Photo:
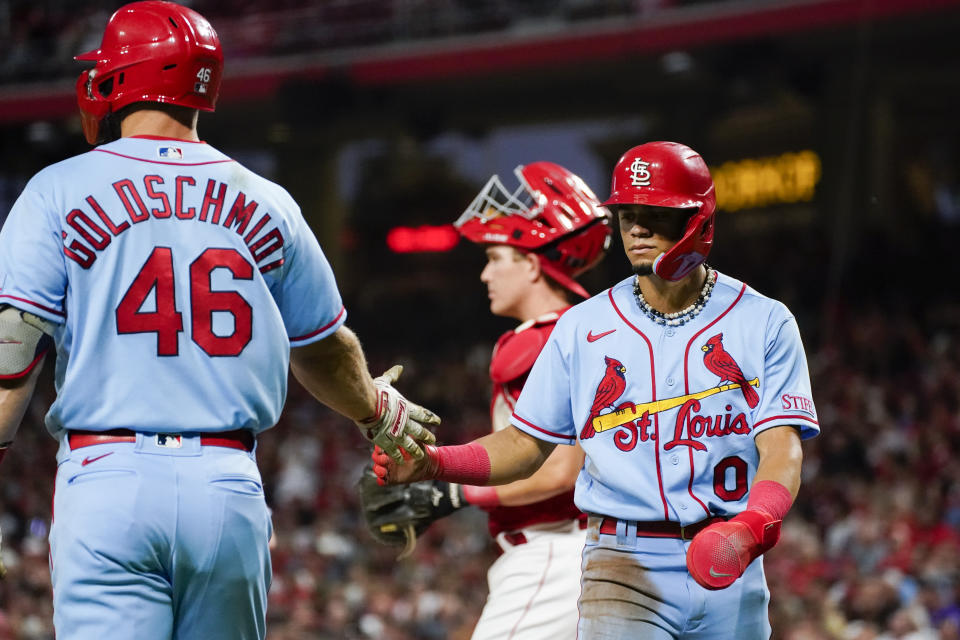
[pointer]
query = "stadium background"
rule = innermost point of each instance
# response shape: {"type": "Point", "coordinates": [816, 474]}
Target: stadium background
{"type": "Point", "coordinates": [831, 128]}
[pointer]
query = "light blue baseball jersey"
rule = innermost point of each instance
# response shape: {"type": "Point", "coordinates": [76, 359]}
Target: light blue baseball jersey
{"type": "Point", "coordinates": [178, 278]}
{"type": "Point", "coordinates": [667, 416]}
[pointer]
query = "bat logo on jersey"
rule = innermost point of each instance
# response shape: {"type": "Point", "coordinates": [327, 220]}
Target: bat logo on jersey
{"type": "Point", "coordinates": [721, 363]}
{"type": "Point", "coordinates": [633, 419]}
{"type": "Point", "coordinates": [608, 391]}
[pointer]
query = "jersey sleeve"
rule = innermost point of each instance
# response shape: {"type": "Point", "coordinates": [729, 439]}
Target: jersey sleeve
{"type": "Point", "coordinates": [544, 409]}
{"type": "Point", "coordinates": [33, 275]}
{"type": "Point", "coordinates": [309, 300]}
{"type": "Point", "coordinates": [786, 398]}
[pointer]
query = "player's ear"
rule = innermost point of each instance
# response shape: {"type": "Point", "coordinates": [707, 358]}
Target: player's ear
{"type": "Point", "coordinates": [534, 270]}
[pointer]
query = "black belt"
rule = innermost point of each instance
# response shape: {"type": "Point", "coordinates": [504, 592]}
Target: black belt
{"type": "Point", "coordinates": [661, 528]}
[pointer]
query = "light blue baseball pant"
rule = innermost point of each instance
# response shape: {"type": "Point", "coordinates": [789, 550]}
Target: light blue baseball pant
{"type": "Point", "coordinates": [636, 588]}
{"type": "Point", "coordinates": [156, 543]}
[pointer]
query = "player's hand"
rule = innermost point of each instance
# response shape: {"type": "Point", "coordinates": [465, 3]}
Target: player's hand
{"type": "Point", "coordinates": [396, 425]}
{"type": "Point", "coordinates": [389, 471]}
{"type": "Point", "coordinates": [721, 553]}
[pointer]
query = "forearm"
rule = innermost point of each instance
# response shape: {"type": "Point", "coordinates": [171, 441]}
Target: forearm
{"type": "Point", "coordinates": [781, 458]}
{"type": "Point", "coordinates": [495, 459]}
{"type": "Point", "coordinates": [557, 475]}
{"type": "Point", "coordinates": [14, 399]}
{"type": "Point", "coordinates": [334, 371]}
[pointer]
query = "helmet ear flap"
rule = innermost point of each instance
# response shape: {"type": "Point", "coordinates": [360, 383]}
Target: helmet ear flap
{"type": "Point", "coordinates": [93, 108]}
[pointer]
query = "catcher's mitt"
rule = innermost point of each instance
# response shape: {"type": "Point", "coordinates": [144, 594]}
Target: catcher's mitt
{"type": "Point", "coordinates": [397, 514]}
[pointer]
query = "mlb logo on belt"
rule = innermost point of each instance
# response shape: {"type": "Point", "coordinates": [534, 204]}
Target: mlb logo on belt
{"type": "Point", "coordinates": [170, 153]}
{"type": "Point", "coordinates": [167, 441]}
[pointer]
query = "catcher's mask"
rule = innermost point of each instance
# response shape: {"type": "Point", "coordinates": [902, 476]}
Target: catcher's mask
{"type": "Point", "coordinates": [553, 213]}
{"type": "Point", "coordinates": [669, 174]}
{"type": "Point", "coordinates": [152, 51]}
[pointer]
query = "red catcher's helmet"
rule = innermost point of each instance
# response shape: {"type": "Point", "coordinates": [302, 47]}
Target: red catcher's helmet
{"type": "Point", "coordinates": [669, 174]}
{"type": "Point", "coordinates": [553, 213]}
{"type": "Point", "coordinates": [151, 51]}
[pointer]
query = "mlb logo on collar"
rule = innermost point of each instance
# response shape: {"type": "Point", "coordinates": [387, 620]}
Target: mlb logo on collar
{"type": "Point", "coordinates": [170, 153]}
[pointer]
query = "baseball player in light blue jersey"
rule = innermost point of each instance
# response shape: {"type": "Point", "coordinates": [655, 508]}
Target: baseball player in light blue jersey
{"type": "Point", "coordinates": [689, 394]}
{"type": "Point", "coordinates": [173, 283]}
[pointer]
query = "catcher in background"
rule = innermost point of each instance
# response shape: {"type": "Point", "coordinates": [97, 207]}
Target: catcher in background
{"type": "Point", "coordinates": [538, 238]}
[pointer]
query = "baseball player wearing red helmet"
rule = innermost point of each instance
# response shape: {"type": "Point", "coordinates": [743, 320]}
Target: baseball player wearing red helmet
{"type": "Point", "coordinates": [689, 394]}
{"type": "Point", "coordinates": [172, 282]}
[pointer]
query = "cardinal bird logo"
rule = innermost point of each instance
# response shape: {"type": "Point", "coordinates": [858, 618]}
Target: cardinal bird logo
{"type": "Point", "coordinates": [721, 363]}
{"type": "Point", "coordinates": [608, 391]}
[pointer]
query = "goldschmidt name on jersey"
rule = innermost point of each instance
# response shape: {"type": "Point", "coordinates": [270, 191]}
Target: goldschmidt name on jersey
{"type": "Point", "coordinates": [153, 197]}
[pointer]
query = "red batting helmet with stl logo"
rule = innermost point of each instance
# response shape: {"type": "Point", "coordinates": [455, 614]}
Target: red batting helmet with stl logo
{"type": "Point", "coordinates": [151, 51]}
{"type": "Point", "coordinates": [553, 213]}
{"type": "Point", "coordinates": [669, 174]}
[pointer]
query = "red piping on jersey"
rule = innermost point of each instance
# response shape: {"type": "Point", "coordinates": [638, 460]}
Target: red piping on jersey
{"type": "Point", "coordinates": [686, 385]}
{"type": "Point", "coordinates": [164, 138]}
{"type": "Point", "coordinates": [526, 609]}
{"type": "Point", "coordinates": [541, 430]}
{"type": "Point", "coordinates": [656, 416]}
{"type": "Point", "coordinates": [323, 328]}
{"type": "Point", "coordinates": [176, 164]}
{"type": "Point", "coordinates": [38, 306]}
{"type": "Point", "coordinates": [790, 417]}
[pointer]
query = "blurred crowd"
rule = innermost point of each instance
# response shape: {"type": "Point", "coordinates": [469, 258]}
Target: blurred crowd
{"type": "Point", "coordinates": [870, 551]}
{"type": "Point", "coordinates": [38, 38]}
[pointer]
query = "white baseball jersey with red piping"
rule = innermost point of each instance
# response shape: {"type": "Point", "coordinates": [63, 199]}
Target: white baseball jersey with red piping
{"type": "Point", "coordinates": [667, 415]}
{"type": "Point", "coordinates": [178, 279]}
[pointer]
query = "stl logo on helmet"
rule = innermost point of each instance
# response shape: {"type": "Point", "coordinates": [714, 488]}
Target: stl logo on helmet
{"type": "Point", "coordinates": [639, 174]}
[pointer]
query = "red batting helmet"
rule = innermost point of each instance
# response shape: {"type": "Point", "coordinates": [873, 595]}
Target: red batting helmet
{"type": "Point", "coordinates": [669, 174]}
{"type": "Point", "coordinates": [553, 213]}
{"type": "Point", "coordinates": [151, 51]}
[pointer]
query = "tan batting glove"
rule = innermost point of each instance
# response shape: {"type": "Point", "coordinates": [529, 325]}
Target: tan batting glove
{"type": "Point", "coordinates": [395, 424]}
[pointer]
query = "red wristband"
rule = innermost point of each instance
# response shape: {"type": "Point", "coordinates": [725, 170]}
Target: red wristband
{"type": "Point", "coordinates": [465, 463]}
{"type": "Point", "coordinates": [771, 497]}
{"type": "Point", "coordinates": [481, 496]}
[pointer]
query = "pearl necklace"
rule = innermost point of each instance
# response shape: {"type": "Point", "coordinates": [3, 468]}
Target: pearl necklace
{"type": "Point", "coordinates": [683, 316]}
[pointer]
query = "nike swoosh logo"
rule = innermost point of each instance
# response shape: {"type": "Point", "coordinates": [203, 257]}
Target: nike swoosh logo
{"type": "Point", "coordinates": [715, 574]}
{"type": "Point", "coordinates": [594, 338]}
{"type": "Point", "coordinates": [88, 460]}
{"type": "Point", "coordinates": [10, 342]}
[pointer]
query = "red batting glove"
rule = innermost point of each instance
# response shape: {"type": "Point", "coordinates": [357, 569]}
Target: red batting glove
{"type": "Point", "coordinates": [389, 471]}
{"type": "Point", "coordinates": [721, 553]}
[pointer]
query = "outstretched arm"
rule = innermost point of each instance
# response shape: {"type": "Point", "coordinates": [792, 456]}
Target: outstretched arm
{"type": "Point", "coordinates": [557, 475]}
{"type": "Point", "coordinates": [334, 371]}
{"type": "Point", "coordinates": [497, 458]}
